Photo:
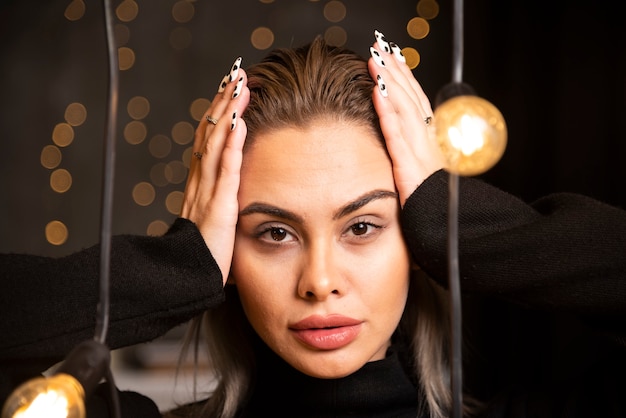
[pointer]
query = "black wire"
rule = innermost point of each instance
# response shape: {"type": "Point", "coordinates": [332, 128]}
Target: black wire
{"type": "Point", "coordinates": [456, 355]}
{"type": "Point", "coordinates": [457, 42]}
{"type": "Point", "coordinates": [456, 366]}
{"type": "Point", "coordinates": [102, 319]}
{"type": "Point", "coordinates": [115, 399]}
{"type": "Point", "coordinates": [108, 176]}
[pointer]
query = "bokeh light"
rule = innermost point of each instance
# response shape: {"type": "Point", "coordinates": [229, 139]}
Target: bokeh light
{"type": "Point", "coordinates": [126, 57]}
{"type": "Point", "coordinates": [63, 134]}
{"type": "Point", "coordinates": [183, 132]}
{"type": "Point", "coordinates": [50, 156]}
{"type": "Point", "coordinates": [144, 193]}
{"type": "Point", "coordinates": [75, 114]}
{"type": "Point", "coordinates": [157, 174]}
{"type": "Point", "coordinates": [335, 11]}
{"type": "Point", "coordinates": [198, 107]}
{"type": "Point", "coordinates": [262, 38]}
{"type": "Point", "coordinates": [138, 107]}
{"type": "Point", "coordinates": [428, 9]}
{"type": "Point", "coordinates": [135, 132]}
{"type": "Point", "coordinates": [336, 35]}
{"type": "Point", "coordinates": [122, 34]}
{"type": "Point", "coordinates": [412, 57]}
{"type": "Point", "coordinates": [157, 228]}
{"type": "Point", "coordinates": [127, 10]}
{"type": "Point", "coordinates": [174, 202]}
{"type": "Point", "coordinates": [176, 172]}
{"type": "Point", "coordinates": [60, 180]}
{"type": "Point", "coordinates": [75, 10]}
{"type": "Point", "coordinates": [418, 28]}
{"type": "Point", "coordinates": [56, 233]}
{"type": "Point", "coordinates": [183, 11]}
{"type": "Point", "coordinates": [160, 146]}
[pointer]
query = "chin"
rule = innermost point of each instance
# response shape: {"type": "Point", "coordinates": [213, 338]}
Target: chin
{"type": "Point", "coordinates": [327, 365]}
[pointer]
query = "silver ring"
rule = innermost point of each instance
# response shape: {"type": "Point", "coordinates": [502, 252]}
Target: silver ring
{"type": "Point", "coordinates": [427, 120]}
{"type": "Point", "coordinates": [210, 119]}
{"type": "Point", "coordinates": [198, 155]}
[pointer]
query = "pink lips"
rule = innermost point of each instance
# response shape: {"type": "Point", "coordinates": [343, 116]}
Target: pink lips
{"type": "Point", "coordinates": [327, 333]}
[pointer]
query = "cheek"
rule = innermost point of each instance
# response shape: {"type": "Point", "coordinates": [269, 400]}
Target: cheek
{"type": "Point", "coordinates": [263, 286]}
{"type": "Point", "coordinates": [387, 273]}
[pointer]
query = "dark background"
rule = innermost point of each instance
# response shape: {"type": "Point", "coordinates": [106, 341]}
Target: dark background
{"type": "Point", "coordinates": [556, 70]}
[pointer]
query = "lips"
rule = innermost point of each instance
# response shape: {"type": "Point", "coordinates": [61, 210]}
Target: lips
{"type": "Point", "coordinates": [326, 333]}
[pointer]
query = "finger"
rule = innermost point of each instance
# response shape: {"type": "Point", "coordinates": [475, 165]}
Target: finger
{"type": "Point", "coordinates": [396, 64]}
{"type": "Point", "coordinates": [218, 105]}
{"type": "Point", "coordinates": [203, 131]}
{"type": "Point", "coordinates": [401, 108]}
{"type": "Point", "coordinates": [400, 72]}
{"type": "Point", "coordinates": [237, 94]}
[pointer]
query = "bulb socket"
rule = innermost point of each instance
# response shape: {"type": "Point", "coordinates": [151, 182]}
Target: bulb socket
{"type": "Point", "coordinates": [453, 89]}
{"type": "Point", "coordinates": [88, 363]}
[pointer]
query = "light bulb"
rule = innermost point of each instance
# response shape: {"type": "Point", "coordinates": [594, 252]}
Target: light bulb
{"type": "Point", "coordinates": [58, 396]}
{"type": "Point", "coordinates": [471, 133]}
{"type": "Point", "coordinates": [63, 394]}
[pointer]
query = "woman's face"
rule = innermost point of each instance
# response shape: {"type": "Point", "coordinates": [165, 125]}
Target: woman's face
{"type": "Point", "coordinates": [320, 263]}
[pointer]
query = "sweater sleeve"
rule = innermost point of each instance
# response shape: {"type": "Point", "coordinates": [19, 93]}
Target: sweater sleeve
{"type": "Point", "coordinates": [564, 252]}
{"type": "Point", "coordinates": [48, 305]}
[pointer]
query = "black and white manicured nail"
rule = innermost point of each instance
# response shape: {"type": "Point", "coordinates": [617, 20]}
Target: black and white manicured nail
{"type": "Point", "coordinates": [381, 85]}
{"type": "Point", "coordinates": [233, 122]}
{"type": "Point", "coordinates": [223, 83]}
{"type": "Point", "coordinates": [397, 52]}
{"type": "Point", "coordinates": [238, 87]}
{"type": "Point", "coordinates": [377, 58]}
{"type": "Point", "coordinates": [234, 70]}
{"type": "Point", "coordinates": [382, 42]}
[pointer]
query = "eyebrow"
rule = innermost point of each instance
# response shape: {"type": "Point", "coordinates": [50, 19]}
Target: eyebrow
{"type": "Point", "coordinates": [356, 204]}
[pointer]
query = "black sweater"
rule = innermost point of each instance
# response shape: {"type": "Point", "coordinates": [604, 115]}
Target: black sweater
{"type": "Point", "coordinates": [526, 270]}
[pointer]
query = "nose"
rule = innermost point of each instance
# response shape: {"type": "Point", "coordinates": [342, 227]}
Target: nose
{"type": "Point", "coordinates": [321, 275]}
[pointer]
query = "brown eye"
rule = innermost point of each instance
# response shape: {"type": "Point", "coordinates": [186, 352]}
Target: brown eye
{"type": "Point", "coordinates": [278, 234]}
{"type": "Point", "coordinates": [359, 228]}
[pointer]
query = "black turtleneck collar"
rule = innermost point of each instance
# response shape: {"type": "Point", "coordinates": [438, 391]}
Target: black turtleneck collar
{"type": "Point", "coordinates": [379, 389]}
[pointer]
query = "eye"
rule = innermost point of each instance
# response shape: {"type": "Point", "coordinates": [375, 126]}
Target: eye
{"type": "Point", "coordinates": [360, 228]}
{"type": "Point", "coordinates": [363, 230]}
{"type": "Point", "coordinates": [275, 234]}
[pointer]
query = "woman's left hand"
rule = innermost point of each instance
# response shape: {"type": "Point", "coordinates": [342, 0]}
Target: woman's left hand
{"type": "Point", "coordinates": [405, 117]}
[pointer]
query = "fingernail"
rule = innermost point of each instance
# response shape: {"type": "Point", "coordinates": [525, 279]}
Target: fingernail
{"type": "Point", "coordinates": [238, 87]}
{"type": "Point", "coordinates": [234, 71]}
{"type": "Point", "coordinates": [381, 85]}
{"type": "Point", "coordinates": [223, 83]}
{"type": "Point", "coordinates": [377, 58]}
{"type": "Point", "coordinates": [233, 123]}
{"type": "Point", "coordinates": [382, 42]}
{"type": "Point", "coordinates": [397, 52]}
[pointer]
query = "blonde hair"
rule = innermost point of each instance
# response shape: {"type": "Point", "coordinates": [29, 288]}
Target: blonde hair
{"type": "Point", "coordinates": [293, 88]}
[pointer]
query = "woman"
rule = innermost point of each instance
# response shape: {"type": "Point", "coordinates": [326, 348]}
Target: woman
{"type": "Point", "coordinates": [325, 312]}
{"type": "Point", "coordinates": [322, 282]}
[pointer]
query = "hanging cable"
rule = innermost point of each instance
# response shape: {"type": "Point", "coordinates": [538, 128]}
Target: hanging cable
{"type": "Point", "coordinates": [471, 133]}
{"type": "Point", "coordinates": [102, 319]}
{"type": "Point", "coordinates": [456, 356]}
{"type": "Point", "coordinates": [108, 180]}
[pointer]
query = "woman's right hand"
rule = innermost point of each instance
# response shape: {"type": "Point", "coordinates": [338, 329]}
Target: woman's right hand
{"type": "Point", "coordinates": [210, 199]}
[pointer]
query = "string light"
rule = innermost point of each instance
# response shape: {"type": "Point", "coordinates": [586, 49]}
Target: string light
{"type": "Point", "coordinates": [63, 394]}
{"type": "Point", "coordinates": [471, 134]}
{"type": "Point", "coordinates": [471, 131]}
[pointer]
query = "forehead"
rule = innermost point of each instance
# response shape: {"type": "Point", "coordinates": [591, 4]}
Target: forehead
{"type": "Point", "coordinates": [328, 159]}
